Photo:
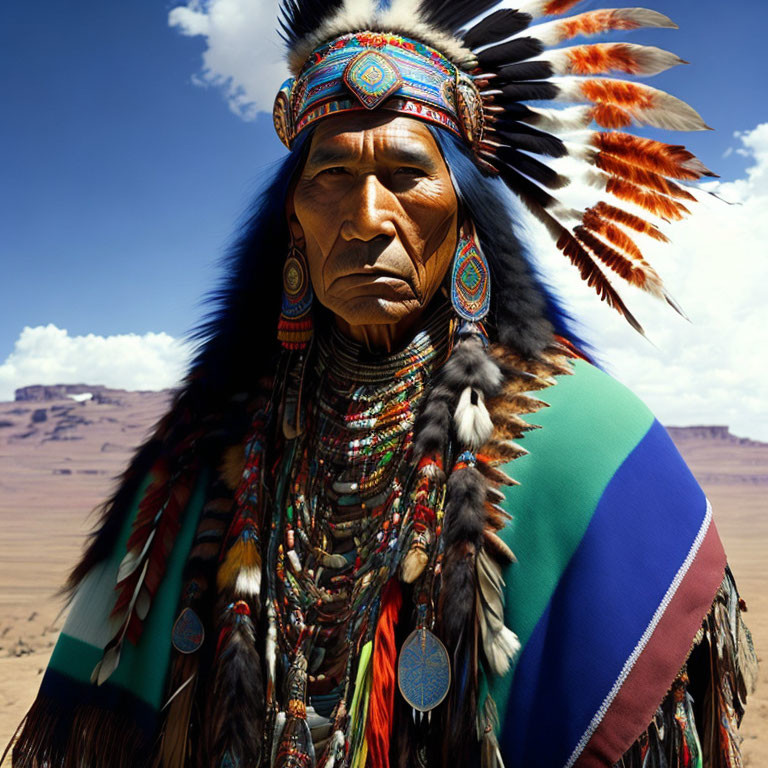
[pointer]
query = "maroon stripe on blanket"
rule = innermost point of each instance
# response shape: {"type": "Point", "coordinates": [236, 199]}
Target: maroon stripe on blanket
{"type": "Point", "coordinates": [664, 655]}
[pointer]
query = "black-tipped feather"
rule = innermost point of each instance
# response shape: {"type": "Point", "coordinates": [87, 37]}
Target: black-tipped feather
{"type": "Point", "coordinates": [527, 70]}
{"type": "Point", "coordinates": [451, 15]}
{"type": "Point", "coordinates": [497, 26]}
{"type": "Point", "coordinates": [529, 91]}
{"type": "Point", "coordinates": [524, 137]}
{"type": "Point", "coordinates": [514, 50]}
{"type": "Point", "coordinates": [532, 168]}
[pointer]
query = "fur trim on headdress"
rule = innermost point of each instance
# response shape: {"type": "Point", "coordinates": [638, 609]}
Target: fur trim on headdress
{"type": "Point", "coordinates": [406, 17]}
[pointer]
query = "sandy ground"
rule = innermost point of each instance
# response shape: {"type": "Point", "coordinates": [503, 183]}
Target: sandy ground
{"type": "Point", "coordinates": [52, 472]}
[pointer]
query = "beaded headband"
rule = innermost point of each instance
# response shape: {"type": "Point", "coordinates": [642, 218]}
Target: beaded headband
{"type": "Point", "coordinates": [435, 61]}
{"type": "Point", "coordinates": [364, 71]}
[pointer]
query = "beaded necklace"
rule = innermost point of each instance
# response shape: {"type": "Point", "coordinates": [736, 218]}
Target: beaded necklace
{"type": "Point", "coordinates": [343, 493]}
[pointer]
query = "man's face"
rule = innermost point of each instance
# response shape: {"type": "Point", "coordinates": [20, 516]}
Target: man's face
{"type": "Point", "coordinates": [377, 211]}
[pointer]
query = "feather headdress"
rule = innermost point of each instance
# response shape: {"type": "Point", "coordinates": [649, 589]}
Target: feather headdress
{"type": "Point", "coordinates": [434, 61]}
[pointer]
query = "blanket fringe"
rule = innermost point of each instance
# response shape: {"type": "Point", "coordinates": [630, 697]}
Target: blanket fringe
{"type": "Point", "coordinates": [50, 737]}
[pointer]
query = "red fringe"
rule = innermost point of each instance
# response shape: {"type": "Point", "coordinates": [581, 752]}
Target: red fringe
{"type": "Point", "coordinates": [381, 705]}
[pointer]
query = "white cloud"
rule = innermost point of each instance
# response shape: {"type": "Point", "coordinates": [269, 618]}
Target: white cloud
{"type": "Point", "coordinates": [712, 370]}
{"type": "Point", "coordinates": [49, 355]}
{"type": "Point", "coordinates": [243, 55]}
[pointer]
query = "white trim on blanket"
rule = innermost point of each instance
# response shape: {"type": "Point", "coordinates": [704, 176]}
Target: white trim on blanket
{"type": "Point", "coordinates": [646, 636]}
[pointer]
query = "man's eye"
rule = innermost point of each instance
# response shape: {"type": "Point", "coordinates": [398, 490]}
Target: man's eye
{"type": "Point", "coordinates": [334, 171]}
{"type": "Point", "coordinates": [410, 171]}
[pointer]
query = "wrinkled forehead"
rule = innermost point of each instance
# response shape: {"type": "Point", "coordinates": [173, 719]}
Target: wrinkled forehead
{"type": "Point", "coordinates": [375, 136]}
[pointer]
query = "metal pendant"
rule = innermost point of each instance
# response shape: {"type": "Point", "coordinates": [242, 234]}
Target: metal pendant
{"type": "Point", "coordinates": [188, 632]}
{"type": "Point", "coordinates": [423, 670]}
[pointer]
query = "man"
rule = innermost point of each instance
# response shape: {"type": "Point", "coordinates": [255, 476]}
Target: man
{"type": "Point", "coordinates": [311, 562]}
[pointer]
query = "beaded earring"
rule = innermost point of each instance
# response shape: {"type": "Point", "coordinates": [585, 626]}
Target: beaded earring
{"type": "Point", "coordinates": [470, 278]}
{"type": "Point", "coordinates": [295, 328]}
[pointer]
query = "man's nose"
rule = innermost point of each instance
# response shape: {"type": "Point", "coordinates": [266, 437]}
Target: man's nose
{"type": "Point", "coordinates": [368, 211]}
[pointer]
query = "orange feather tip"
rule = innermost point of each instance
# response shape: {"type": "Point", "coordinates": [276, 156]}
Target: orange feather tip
{"type": "Point", "coordinates": [556, 7]}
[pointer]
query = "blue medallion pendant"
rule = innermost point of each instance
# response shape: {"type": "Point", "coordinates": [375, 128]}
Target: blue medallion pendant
{"type": "Point", "coordinates": [423, 670]}
{"type": "Point", "coordinates": [188, 632]}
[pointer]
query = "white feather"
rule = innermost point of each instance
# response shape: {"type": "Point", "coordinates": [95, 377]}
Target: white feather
{"type": "Point", "coordinates": [554, 32]}
{"type": "Point", "coordinates": [248, 582]}
{"type": "Point", "coordinates": [503, 647]}
{"type": "Point", "coordinates": [649, 59]}
{"type": "Point", "coordinates": [133, 559]}
{"type": "Point", "coordinates": [560, 120]}
{"type": "Point", "coordinates": [111, 658]}
{"type": "Point", "coordinates": [534, 8]}
{"type": "Point", "coordinates": [270, 647]}
{"type": "Point", "coordinates": [143, 604]}
{"type": "Point", "coordinates": [337, 745]}
{"type": "Point", "coordinates": [473, 422]}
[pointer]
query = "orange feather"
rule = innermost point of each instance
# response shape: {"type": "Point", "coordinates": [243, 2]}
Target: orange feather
{"type": "Point", "coordinates": [593, 276]}
{"type": "Point", "coordinates": [638, 273]}
{"type": "Point", "coordinates": [618, 92]}
{"type": "Point", "coordinates": [630, 220]}
{"type": "Point", "coordinates": [556, 7]}
{"type": "Point", "coordinates": [594, 23]}
{"type": "Point", "coordinates": [658, 204]}
{"type": "Point", "coordinates": [612, 233]}
{"type": "Point", "coordinates": [603, 58]}
{"type": "Point", "coordinates": [671, 160]}
{"type": "Point", "coordinates": [641, 176]}
{"type": "Point", "coordinates": [611, 116]}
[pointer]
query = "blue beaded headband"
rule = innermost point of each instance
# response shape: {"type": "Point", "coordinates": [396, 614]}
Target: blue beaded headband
{"type": "Point", "coordinates": [370, 70]}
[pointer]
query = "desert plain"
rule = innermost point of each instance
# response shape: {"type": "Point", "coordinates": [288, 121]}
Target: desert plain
{"type": "Point", "coordinates": [61, 449]}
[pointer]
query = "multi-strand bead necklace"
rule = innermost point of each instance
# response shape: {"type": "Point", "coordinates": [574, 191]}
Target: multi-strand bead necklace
{"type": "Point", "coordinates": [337, 532]}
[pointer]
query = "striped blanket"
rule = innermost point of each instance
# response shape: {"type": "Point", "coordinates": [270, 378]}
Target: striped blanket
{"type": "Point", "coordinates": [617, 564]}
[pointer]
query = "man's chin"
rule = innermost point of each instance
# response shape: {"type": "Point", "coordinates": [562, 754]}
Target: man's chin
{"type": "Point", "coordinates": [375, 310]}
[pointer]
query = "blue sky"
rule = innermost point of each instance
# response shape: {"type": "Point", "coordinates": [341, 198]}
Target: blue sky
{"type": "Point", "coordinates": [123, 180]}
